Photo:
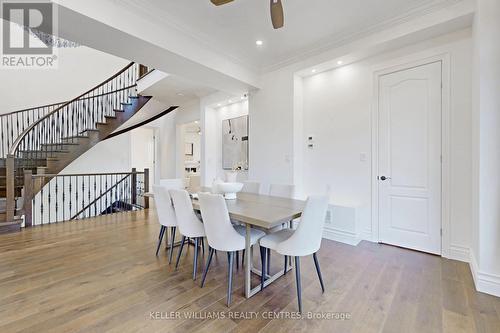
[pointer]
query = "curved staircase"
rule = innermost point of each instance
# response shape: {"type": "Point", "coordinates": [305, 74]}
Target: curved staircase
{"type": "Point", "coordinates": [53, 138]}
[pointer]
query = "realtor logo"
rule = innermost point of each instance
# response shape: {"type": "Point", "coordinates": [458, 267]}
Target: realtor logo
{"type": "Point", "coordinates": [27, 25]}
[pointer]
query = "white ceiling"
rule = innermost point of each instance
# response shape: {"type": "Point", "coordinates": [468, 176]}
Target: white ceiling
{"type": "Point", "coordinates": [174, 90]}
{"type": "Point", "coordinates": [310, 25]}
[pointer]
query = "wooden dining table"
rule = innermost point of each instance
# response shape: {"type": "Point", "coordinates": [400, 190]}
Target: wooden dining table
{"type": "Point", "coordinates": [257, 211]}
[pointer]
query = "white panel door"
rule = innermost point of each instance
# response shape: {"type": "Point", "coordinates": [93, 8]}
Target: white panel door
{"type": "Point", "coordinates": [410, 158]}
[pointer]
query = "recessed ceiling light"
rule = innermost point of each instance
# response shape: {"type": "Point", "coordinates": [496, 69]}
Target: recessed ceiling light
{"type": "Point", "coordinates": [313, 71]}
{"type": "Point", "coordinates": [340, 62]}
{"type": "Point", "coordinates": [196, 121]}
{"type": "Point", "coordinates": [259, 42]}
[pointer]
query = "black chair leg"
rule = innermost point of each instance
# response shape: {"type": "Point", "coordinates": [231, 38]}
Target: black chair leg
{"type": "Point", "coordinates": [195, 261]}
{"type": "Point", "coordinates": [230, 278]}
{"type": "Point", "coordinates": [237, 260]}
{"type": "Point", "coordinates": [263, 258]}
{"type": "Point", "coordinates": [209, 261]}
{"type": "Point", "coordinates": [318, 270]}
{"type": "Point", "coordinates": [297, 281]}
{"type": "Point", "coordinates": [286, 266]}
{"type": "Point", "coordinates": [172, 240]}
{"type": "Point", "coordinates": [160, 238]}
{"type": "Point", "coordinates": [180, 251]}
{"type": "Point", "coordinates": [243, 258]}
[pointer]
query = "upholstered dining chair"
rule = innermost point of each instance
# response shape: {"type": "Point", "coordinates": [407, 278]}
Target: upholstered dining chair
{"type": "Point", "coordinates": [282, 190]}
{"type": "Point", "coordinates": [188, 223]}
{"type": "Point", "coordinates": [251, 187]}
{"type": "Point", "coordinates": [222, 235]}
{"type": "Point", "coordinates": [166, 215]}
{"type": "Point", "coordinates": [175, 183]}
{"type": "Point", "coordinates": [304, 241]}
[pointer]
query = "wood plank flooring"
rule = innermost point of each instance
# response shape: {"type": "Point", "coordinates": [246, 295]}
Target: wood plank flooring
{"type": "Point", "coordinates": [101, 275]}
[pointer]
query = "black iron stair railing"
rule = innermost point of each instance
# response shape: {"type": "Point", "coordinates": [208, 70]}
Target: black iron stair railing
{"type": "Point", "coordinates": [65, 125]}
{"type": "Point", "coordinates": [78, 196]}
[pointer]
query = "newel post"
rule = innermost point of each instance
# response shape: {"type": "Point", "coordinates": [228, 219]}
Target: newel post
{"type": "Point", "coordinates": [146, 187]}
{"type": "Point", "coordinates": [10, 173]}
{"type": "Point", "coordinates": [28, 198]}
{"type": "Point", "coordinates": [134, 186]}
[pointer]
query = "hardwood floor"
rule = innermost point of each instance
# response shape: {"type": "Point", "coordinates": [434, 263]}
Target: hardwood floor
{"type": "Point", "coordinates": [101, 275]}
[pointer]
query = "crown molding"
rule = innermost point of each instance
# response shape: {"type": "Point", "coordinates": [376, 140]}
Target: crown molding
{"type": "Point", "coordinates": [336, 40]}
{"type": "Point", "coordinates": [344, 38]}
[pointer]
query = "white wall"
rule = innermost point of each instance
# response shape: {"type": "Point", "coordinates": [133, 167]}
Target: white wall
{"type": "Point", "coordinates": [79, 69]}
{"type": "Point", "coordinates": [271, 125]}
{"type": "Point", "coordinates": [337, 112]}
{"type": "Point", "coordinates": [486, 149]}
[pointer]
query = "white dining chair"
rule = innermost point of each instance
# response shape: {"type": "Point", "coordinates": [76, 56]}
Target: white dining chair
{"type": "Point", "coordinates": [188, 223]}
{"type": "Point", "coordinates": [304, 241]}
{"type": "Point", "coordinates": [251, 187]}
{"type": "Point", "coordinates": [166, 215]}
{"type": "Point", "coordinates": [174, 183]}
{"type": "Point", "coordinates": [282, 191]}
{"type": "Point", "coordinates": [222, 235]}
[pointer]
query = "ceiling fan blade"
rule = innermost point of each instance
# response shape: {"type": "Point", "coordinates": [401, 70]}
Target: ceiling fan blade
{"type": "Point", "coordinates": [220, 2]}
{"type": "Point", "coordinates": [277, 16]}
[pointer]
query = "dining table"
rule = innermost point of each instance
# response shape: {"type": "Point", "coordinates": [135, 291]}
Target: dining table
{"type": "Point", "coordinates": [256, 211]}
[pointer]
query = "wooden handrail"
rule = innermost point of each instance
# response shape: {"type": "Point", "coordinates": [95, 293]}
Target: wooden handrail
{"type": "Point", "coordinates": [27, 130]}
{"type": "Point", "coordinates": [33, 108]}
{"type": "Point", "coordinates": [88, 174]}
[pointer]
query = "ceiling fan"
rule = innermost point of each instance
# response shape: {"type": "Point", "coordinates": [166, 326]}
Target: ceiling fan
{"type": "Point", "coordinates": [277, 16]}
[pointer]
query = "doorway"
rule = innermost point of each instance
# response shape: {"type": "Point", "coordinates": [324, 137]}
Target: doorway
{"type": "Point", "coordinates": [409, 163]}
{"type": "Point", "coordinates": [189, 152]}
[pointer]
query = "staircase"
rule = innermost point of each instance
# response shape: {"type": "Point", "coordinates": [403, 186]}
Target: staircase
{"type": "Point", "coordinates": [52, 139]}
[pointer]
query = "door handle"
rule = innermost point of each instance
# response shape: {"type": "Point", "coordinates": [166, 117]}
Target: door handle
{"type": "Point", "coordinates": [384, 178]}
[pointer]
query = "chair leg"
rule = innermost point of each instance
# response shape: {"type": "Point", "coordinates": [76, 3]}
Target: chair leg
{"type": "Point", "coordinates": [243, 259]}
{"type": "Point", "coordinates": [268, 261]}
{"type": "Point", "coordinates": [210, 255]}
{"type": "Point", "coordinates": [160, 238]}
{"type": "Point", "coordinates": [297, 281]}
{"type": "Point", "coordinates": [195, 261]}
{"type": "Point", "coordinates": [180, 251]}
{"type": "Point", "coordinates": [237, 260]}
{"type": "Point", "coordinates": [172, 240]}
{"type": "Point", "coordinates": [263, 258]}
{"type": "Point", "coordinates": [318, 270]}
{"type": "Point", "coordinates": [203, 246]}
{"type": "Point", "coordinates": [286, 266]}
{"type": "Point", "coordinates": [230, 278]}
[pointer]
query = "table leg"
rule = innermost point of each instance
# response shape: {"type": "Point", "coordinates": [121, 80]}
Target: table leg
{"type": "Point", "coordinates": [248, 263]}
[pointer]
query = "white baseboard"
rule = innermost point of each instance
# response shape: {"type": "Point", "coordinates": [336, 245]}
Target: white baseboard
{"type": "Point", "coordinates": [485, 282]}
{"type": "Point", "coordinates": [457, 252]}
{"type": "Point", "coordinates": [342, 236]}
